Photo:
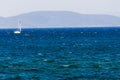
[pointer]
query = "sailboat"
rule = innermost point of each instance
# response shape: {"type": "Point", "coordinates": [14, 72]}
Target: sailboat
{"type": "Point", "coordinates": [18, 31]}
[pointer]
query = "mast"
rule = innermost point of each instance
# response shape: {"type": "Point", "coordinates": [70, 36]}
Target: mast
{"type": "Point", "coordinates": [19, 25]}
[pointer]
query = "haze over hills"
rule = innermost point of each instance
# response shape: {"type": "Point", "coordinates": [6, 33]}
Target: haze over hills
{"type": "Point", "coordinates": [46, 19]}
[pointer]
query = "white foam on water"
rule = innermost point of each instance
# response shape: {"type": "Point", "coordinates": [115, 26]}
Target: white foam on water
{"type": "Point", "coordinates": [45, 60]}
{"type": "Point", "coordinates": [70, 52]}
{"type": "Point", "coordinates": [81, 32]}
{"type": "Point", "coordinates": [39, 54]}
{"type": "Point", "coordinates": [65, 65]}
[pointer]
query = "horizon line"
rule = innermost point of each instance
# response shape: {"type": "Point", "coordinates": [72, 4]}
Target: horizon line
{"type": "Point", "coordinates": [63, 27]}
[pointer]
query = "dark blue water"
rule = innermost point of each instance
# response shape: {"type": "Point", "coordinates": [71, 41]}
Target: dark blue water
{"type": "Point", "coordinates": [60, 54]}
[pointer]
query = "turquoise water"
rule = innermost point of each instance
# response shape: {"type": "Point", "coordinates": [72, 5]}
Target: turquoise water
{"type": "Point", "coordinates": [60, 54]}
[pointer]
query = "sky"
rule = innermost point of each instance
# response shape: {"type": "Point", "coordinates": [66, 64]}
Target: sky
{"type": "Point", "coordinates": [15, 7]}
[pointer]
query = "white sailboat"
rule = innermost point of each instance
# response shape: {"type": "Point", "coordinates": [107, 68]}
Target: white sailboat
{"type": "Point", "coordinates": [18, 31]}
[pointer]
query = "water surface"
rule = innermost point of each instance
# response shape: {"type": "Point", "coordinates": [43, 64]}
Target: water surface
{"type": "Point", "coordinates": [60, 54]}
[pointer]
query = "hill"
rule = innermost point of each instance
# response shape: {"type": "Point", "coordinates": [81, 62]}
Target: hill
{"type": "Point", "coordinates": [40, 19]}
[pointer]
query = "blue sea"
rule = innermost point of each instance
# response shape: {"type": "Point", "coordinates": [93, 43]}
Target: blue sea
{"type": "Point", "coordinates": [60, 54]}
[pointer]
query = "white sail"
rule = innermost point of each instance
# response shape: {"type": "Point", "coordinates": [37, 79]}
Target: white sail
{"type": "Point", "coordinates": [18, 31]}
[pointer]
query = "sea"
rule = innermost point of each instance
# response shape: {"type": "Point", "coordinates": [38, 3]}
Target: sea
{"type": "Point", "coordinates": [60, 54]}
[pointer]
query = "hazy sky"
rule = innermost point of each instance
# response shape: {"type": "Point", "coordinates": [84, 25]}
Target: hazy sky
{"type": "Point", "coordinates": [15, 7]}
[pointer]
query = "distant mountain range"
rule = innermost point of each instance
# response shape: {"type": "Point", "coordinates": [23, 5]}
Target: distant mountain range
{"type": "Point", "coordinates": [43, 19]}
